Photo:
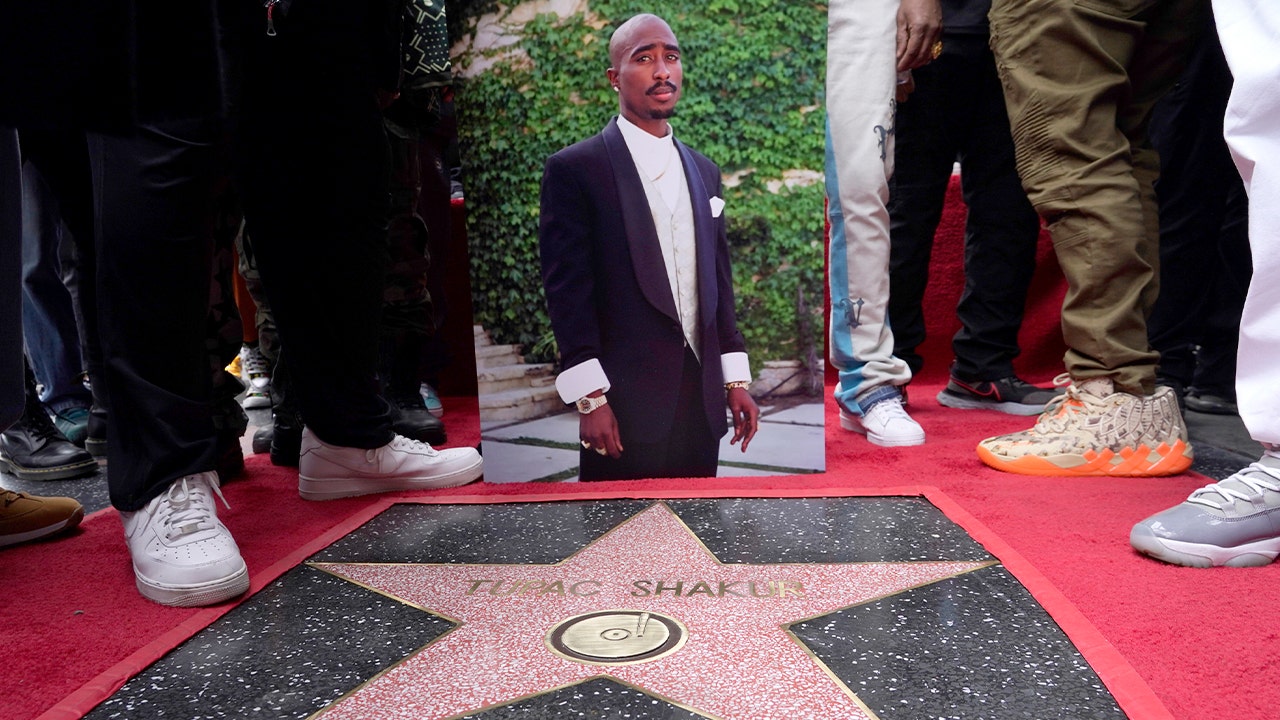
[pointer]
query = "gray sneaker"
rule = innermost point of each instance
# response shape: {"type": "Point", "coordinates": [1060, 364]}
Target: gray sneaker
{"type": "Point", "coordinates": [1233, 522]}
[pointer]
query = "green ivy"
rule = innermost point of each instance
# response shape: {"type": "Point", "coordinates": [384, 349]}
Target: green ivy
{"type": "Point", "coordinates": [752, 102]}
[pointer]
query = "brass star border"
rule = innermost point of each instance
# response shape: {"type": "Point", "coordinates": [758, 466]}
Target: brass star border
{"type": "Point", "coordinates": [739, 659]}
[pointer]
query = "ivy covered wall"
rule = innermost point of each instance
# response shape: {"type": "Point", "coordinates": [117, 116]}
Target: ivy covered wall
{"type": "Point", "coordinates": [531, 84]}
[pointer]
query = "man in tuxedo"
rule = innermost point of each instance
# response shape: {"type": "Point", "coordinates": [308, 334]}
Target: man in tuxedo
{"type": "Point", "coordinates": [636, 270]}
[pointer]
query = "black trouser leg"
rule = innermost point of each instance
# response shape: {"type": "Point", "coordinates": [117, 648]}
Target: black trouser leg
{"type": "Point", "coordinates": [154, 195]}
{"type": "Point", "coordinates": [315, 206]}
{"type": "Point", "coordinates": [1000, 235]}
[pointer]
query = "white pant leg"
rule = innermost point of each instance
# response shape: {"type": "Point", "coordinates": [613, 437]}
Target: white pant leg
{"type": "Point", "coordinates": [1250, 34]}
{"type": "Point", "coordinates": [861, 79]}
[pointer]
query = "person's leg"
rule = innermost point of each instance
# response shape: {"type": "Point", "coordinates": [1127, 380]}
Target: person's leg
{"type": "Point", "coordinates": [407, 320]}
{"type": "Point", "coordinates": [1078, 118]}
{"type": "Point", "coordinates": [22, 517]}
{"type": "Point", "coordinates": [1075, 114]}
{"type": "Point", "coordinates": [62, 158]}
{"type": "Point", "coordinates": [1000, 235]}
{"type": "Point", "coordinates": [859, 160]}
{"type": "Point", "coordinates": [316, 219]}
{"type": "Point", "coordinates": [48, 317]}
{"type": "Point", "coordinates": [1253, 134]}
{"type": "Point", "coordinates": [924, 154]}
{"type": "Point", "coordinates": [1196, 174]}
{"type": "Point", "coordinates": [1232, 522]}
{"type": "Point", "coordinates": [154, 200]}
{"type": "Point", "coordinates": [1214, 382]}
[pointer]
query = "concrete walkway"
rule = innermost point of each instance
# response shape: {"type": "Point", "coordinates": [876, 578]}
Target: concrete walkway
{"type": "Point", "coordinates": [790, 442]}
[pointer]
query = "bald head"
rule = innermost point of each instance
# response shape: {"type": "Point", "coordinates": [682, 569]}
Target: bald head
{"type": "Point", "coordinates": [646, 72]}
{"type": "Point", "coordinates": [625, 34]}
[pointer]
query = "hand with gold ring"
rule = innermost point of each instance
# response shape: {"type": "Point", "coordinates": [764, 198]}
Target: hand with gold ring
{"type": "Point", "coordinates": [598, 431]}
{"type": "Point", "coordinates": [919, 29]}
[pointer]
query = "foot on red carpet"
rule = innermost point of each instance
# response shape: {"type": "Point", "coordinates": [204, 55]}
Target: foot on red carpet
{"type": "Point", "coordinates": [26, 517]}
{"type": "Point", "coordinates": [885, 423]}
{"type": "Point", "coordinates": [1093, 429]}
{"type": "Point", "coordinates": [182, 553]}
{"type": "Point", "coordinates": [1233, 522]}
{"type": "Point", "coordinates": [328, 471]}
{"type": "Point", "coordinates": [1011, 395]}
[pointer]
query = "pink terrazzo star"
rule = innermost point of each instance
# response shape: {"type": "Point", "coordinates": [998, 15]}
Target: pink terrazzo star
{"type": "Point", "coordinates": [740, 659]}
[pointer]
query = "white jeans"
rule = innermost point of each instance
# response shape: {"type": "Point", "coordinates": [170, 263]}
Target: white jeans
{"type": "Point", "coordinates": [1250, 34]}
{"type": "Point", "coordinates": [861, 79]}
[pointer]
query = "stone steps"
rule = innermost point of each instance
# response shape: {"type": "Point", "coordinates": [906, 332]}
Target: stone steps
{"type": "Point", "coordinates": [510, 388]}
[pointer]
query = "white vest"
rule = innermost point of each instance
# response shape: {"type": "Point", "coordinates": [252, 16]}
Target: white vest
{"type": "Point", "coordinates": [676, 237]}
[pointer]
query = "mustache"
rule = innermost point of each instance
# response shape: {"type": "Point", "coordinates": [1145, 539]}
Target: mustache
{"type": "Point", "coordinates": [664, 85]}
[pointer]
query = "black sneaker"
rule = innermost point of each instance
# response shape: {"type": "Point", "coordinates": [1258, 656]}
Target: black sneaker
{"type": "Point", "coordinates": [1206, 402]}
{"type": "Point", "coordinates": [1011, 395]}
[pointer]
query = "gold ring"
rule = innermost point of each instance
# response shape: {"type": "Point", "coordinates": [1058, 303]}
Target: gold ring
{"type": "Point", "coordinates": [601, 451]}
{"type": "Point", "coordinates": [936, 49]}
{"type": "Point", "coordinates": [586, 445]}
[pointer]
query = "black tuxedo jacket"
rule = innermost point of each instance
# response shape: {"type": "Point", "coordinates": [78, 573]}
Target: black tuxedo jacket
{"type": "Point", "coordinates": [607, 289]}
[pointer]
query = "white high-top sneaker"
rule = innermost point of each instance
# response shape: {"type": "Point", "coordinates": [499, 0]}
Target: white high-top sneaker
{"type": "Point", "coordinates": [326, 472]}
{"type": "Point", "coordinates": [182, 553]}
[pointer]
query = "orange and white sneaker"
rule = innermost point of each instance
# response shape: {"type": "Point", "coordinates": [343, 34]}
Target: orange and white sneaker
{"type": "Point", "coordinates": [1094, 430]}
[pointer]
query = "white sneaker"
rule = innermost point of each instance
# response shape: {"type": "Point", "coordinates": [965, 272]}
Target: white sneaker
{"type": "Point", "coordinates": [327, 471]}
{"type": "Point", "coordinates": [885, 423]}
{"type": "Point", "coordinates": [182, 554]}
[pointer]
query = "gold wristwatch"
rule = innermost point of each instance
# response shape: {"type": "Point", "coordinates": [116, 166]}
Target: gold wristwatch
{"type": "Point", "coordinates": [587, 404]}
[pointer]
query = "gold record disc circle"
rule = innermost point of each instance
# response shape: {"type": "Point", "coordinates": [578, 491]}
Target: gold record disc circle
{"type": "Point", "coordinates": [617, 637]}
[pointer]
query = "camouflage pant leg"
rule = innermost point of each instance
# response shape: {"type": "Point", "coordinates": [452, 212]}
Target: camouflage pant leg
{"type": "Point", "coordinates": [268, 339]}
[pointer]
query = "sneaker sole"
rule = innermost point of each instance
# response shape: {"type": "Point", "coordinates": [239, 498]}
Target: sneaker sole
{"type": "Point", "coordinates": [333, 488]}
{"type": "Point", "coordinates": [1139, 462]}
{"type": "Point", "coordinates": [255, 402]}
{"type": "Point", "coordinates": [854, 426]}
{"type": "Point", "coordinates": [209, 593]}
{"type": "Point", "coordinates": [1204, 555]}
{"type": "Point", "coordinates": [1010, 408]}
{"type": "Point", "coordinates": [61, 472]}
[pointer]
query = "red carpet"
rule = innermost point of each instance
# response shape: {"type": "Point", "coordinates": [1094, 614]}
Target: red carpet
{"type": "Point", "coordinates": [1200, 640]}
{"type": "Point", "coordinates": [1203, 643]}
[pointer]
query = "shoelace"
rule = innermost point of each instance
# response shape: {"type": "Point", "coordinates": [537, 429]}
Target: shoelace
{"type": "Point", "coordinates": [40, 425]}
{"type": "Point", "coordinates": [1061, 410]}
{"type": "Point", "coordinates": [400, 442]}
{"type": "Point", "coordinates": [254, 364]}
{"type": "Point", "coordinates": [1015, 382]}
{"type": "Point", "coordinates": [11, 497]}
{"type": "Point", "coordinates": [190, 509]}
{"type": "Point", "coordinates": [891, 408]}
{"type": "Point", "coordinates": [1256, 484]}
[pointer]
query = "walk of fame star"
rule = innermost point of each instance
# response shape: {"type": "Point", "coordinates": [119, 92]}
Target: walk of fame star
{"type": "Point", "coordinates": [523, 630]}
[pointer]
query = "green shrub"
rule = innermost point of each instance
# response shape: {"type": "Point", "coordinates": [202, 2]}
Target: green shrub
{"type": "Point", "coordinates": [752, 103]}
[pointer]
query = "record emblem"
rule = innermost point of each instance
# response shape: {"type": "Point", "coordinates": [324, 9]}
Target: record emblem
{"type": "Point", "coordinates": [617, 637]}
